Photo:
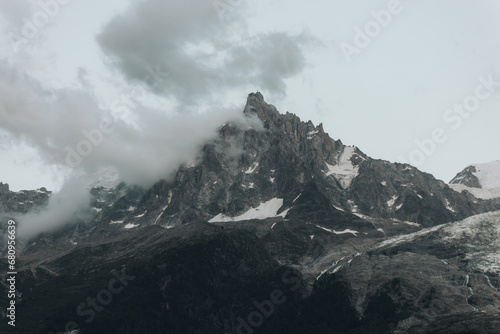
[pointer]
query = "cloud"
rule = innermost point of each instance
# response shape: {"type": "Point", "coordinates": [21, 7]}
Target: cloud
{"type": "Point", "coordinates": [196, 53]}
{"type": "Point", "coordinates": [69, 205]}
{"type": "Point", "coordinates": [69, 128]}
{"type": "Point", "coordinates": [13, 12]}
{"type": "Point", "coordinates": [180, 50]}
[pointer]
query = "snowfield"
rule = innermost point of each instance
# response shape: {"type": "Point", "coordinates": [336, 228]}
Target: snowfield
{"type": "Point", "coordinates": [488, 175]}
{"type": "Point", "coordinates": [479, 234]}
{"type": "Point", "coordinates": [265, 210]}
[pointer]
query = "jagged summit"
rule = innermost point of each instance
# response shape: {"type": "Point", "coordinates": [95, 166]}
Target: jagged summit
{"type": "Point", "coordinates": [272, 118]}
{"type": "Point", "coordinates": [267, 113]}
{"type": "Point", "coordinates": [257, 202]}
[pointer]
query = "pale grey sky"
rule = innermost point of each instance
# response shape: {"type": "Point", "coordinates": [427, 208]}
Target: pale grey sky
{"type": "Point", "coordinates": [415, 81]}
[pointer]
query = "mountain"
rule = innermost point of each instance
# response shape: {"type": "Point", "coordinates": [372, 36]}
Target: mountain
{"type": "Point", "coordinates": [274, 228]}
{"type": "Point", "coordinates": [481, 180]}
{"type": "Point", "coordinates": [454, 260]}
{"type": "Point", "coordinates": [23, 201]}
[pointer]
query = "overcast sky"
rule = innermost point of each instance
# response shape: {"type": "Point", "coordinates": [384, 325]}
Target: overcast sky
{"type": "Point", "coordinates": [149, 81]}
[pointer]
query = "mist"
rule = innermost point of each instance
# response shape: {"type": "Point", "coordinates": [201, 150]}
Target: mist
{"type": "Point", "coordinates": [69, 205]}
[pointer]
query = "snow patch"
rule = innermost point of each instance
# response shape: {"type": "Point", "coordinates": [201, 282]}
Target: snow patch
{"type": "Point", "coordinates": [265, 210]}
{"type": "Point", "coordinates": [488, 174]}
{"type": "Point", "coordinates": [354, 206]}
{"type": "Point", "coordinates": [338, 208]}
{"type": "Point", "coordinates": [338, 232]}
{"type": "Point", "coordinates": [130, 225]}
{"type": "Point", "coordinates": [169, 199]}
{"type": "Point", "coordinates": [311, 134]}
{"type": "Point", "coordinates": [162, 211]}
{"type": "Point", "coordinates": [448, 206]}
{"type": "Point", "coordinates": [390, 203]}
{"type": "Point", "coordinates": [482, 193]}
{"type": "Point", "coordinates": [251, 169]}
{"type": "Point", "coordinates": [284, 213]}
{"type": "Point", "coordinates": [117, 221]}
{"type": "Point", "coordinates": [362, 216]}
{"type": "Point", "coordinates": [344, 171]}
{"type": "Point", "coordinates": [412, 224]}
{"type": "Point", "coordinates": [141, 215]}
{"type": "Point", "coordinates": [332, 266]}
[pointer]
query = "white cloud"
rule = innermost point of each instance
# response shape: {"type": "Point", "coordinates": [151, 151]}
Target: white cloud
{"type": "Point", "coordinates": [196, 54]}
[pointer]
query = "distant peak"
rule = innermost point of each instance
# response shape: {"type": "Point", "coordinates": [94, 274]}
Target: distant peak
{"type": "Point", "coordinates": [256, 95]}
{"type": "Point", "coordinates": [483, 175]}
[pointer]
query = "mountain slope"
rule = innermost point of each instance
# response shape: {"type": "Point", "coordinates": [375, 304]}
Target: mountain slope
{"type": "Point", "coordinates": [270, 204]}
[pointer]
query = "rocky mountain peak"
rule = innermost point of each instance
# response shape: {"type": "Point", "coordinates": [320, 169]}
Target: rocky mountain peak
{"type": "Point", "coordinates": [467, 178]}
{"type": "Point", "coordinates": [266, 112]}
{"type": "Point", "coordinates": [481, 180]}
{"type": "Point", "coordinates": [290, 128]}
